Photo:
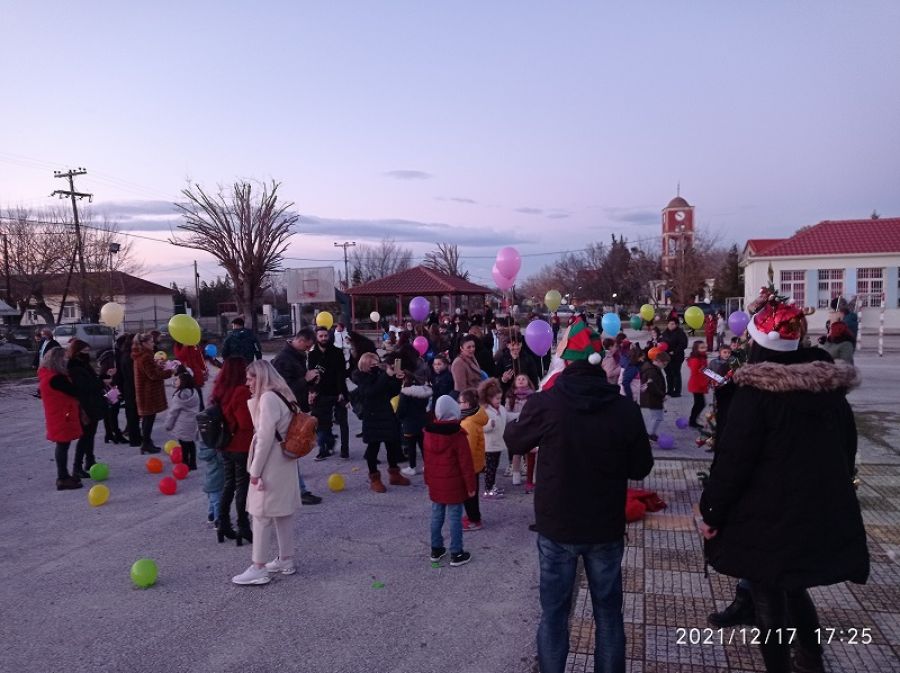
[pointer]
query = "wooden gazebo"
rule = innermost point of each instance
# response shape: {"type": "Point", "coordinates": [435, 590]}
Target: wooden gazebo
{"type": "Point", "coordinates": [419, 281]}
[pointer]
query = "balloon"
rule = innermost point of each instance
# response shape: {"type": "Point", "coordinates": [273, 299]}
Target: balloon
{"type": "Point", "coordinates": [336, 482]}
{"type": "Point", "coordinates": [324, 319]}
{"type": "Point", "coordinates": [177, 456]}
{"type": "Point", "coordinates": [539, 337]}
{"type": "Point", "coordinates": [154, 465]}
{"type": "Point", "coordinates": [647, 312]}
{"type": "Point", "coordinates": [98, 495]}
{"type": "Point", "coordinates": [168, 446]}
{"type": "Point", "coordinates": [502, 282]}
{"type": "Point", "coordinates": [374, 316]}
{"type": "Point", "coordinates": [184, 329]}
{"type": "Point", "coordinates": [395, 402]}
{"type": "Point", "coordinates": [552, 299]}
{"type": "Point", "coordinates": [112, 395]}
{"type": "Point", "coordinates": [611, 324]}
{"type": "Point", "coordinates": [99, 471]}
{"type": "Point", "coordinates": [180, 471]}
{"type": "Point", "coordinates": [144, 572]}
{"type": "Point", "coordinates": [666, 442]}
{"type": "Point", "coordinates": [694, 317]}
{"type": "Point", "coordinates": [681, 423]}
{"type": "Point", "coordinates": [160, 356]}
{"type": "Point", "coordinates": [636, 321]}
{"type": "Point", "coordinates": [738, 321]}
{"type": "Point", "coordinates": [508, 262]}
{"type": "Point", "coordinates": [419, 308]}
{"type": "Point", "coordinates": [662, 346]}
{"type": "Point", "coordinates": [112, 314]}
{"type": "Point", "coordinates": [211, 350]}
{"type": "Point", "coordinates": [653, 352]}
{"type": "Point", "coordinates": [420, 343]}
{"type": "Point", "coordinates": [168, 486]}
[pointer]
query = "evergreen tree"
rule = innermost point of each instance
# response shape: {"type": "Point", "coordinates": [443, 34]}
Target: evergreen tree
{"type": "Point", "coordinates": [729, 281]}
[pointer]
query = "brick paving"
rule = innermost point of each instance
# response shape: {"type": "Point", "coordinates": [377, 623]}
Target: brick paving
{"type": "Point", "coordinates": [666, 588]}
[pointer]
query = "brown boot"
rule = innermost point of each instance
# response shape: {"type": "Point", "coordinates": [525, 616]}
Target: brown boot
{"type": "Point", "coordinates": [375, 482]}
{"type": "Point", "coordinates": [395, 478]}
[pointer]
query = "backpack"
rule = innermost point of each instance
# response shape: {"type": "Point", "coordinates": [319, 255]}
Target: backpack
{"type": "Point", "coordinates": [212, 426]}
{"type": "Point", "coordinates": [300, 437]}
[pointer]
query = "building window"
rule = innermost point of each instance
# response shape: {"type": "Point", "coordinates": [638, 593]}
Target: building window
{"type": "Point", "coordinates": [869, 287]}
{"type": "Point", "coordinates": [68, 312]}
{"type": "Point", "coordinates": [793, 284]}
{"type": "Point", "coordinates": [831, 286]}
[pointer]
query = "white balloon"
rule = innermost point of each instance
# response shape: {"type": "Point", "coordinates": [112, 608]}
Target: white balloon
{"type": "Point", "coordinates": [374, 316]}
{"type": "Point", "coordinates": [112, 314]}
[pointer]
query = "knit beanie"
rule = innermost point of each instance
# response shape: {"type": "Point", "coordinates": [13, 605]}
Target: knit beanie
{"type": "Point", "coordinates": [446, 409]}
{"type": "Point", "coordinates": [583, 343]}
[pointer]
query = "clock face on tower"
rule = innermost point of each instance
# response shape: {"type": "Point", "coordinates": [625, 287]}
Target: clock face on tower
{"type": "Point", "coordinates": [680, 216]}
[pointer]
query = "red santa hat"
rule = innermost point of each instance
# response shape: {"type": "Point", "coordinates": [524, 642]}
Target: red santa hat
{"type": "Point", "coordinates": [777, 322]}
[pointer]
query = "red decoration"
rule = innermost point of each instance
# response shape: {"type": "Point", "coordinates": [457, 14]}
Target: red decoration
{"type": "Point", "coordinates": [180, 471]}
{"type": "Point", "coordinates": [168, 486]}
{"type": "Point", "coordinates": [176, 455]}
{"type": "Point", "coordinates": [154, 465]}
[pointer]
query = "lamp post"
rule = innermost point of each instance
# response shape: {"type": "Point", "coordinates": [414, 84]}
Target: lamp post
{"type": "Point", "coordinates": [113, 249]}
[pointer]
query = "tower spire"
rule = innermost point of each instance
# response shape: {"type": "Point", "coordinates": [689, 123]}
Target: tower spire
{"type": "Point", "coordinates": [678, 189]}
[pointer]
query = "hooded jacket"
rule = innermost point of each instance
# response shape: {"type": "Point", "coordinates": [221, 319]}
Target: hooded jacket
{"type": "Point", "coordinates": [59, 397]}
{"type": "Point", "coordinates": [474, 427]}
{"type": "Point", "coordinates": [375, 390]}
{"type": "Point", "coordinates": [181, 421]}
{"type": "Point", "coordinates": [449, 474]}
{"type": "Point", "coordinates": [592, 441]}
{"type": "Point", "coordinates": [242, 342]}
{"type": "Point", "coordinates": [780, 492]}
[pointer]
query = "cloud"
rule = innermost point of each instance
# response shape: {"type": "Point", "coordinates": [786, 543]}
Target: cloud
{"type": "Point", "coordinates": [530, 211]}
{"type": "Point", "coordinates": [457, 199]}
{"type": "Point", "coordinates": [407, 231]}
{"type": "Point", "coordinates": [557, 216]}
{"type": "Point", "coordinates": [637, 216]}
{"type": "Point", "coordinates": [408, 175]}
{"type": "Point", "coordinates": [139, 215]}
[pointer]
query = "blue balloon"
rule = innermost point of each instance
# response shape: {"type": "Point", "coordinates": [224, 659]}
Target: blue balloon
{"type": "Point", "coordinates": [210, 350]}
{"type": "Point", "coordinates": [611, 324]}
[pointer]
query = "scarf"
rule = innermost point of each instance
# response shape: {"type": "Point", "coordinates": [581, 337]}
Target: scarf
{"type": "Point", "coordinates": [465, 413]}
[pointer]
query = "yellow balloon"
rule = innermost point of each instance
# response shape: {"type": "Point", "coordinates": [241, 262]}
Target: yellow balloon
{"type": "Point", "coordinates": [112, 314]}
{"type": "Point", "coordinates": [168, 446]}
{"type": "Point", "coordinates": [161, 356]}
{"type": "Point", "coordinates": [325, 319]}
{"type": "Point", "coordinates": [694, 317]}
{"type": "Point", "coordinates": [552, 299]}
{"type": "Point", "coordinates": [647, 312]}
{"type": "Point", "coordinates": [184, 329]}
{"type": "Point", "coordinates": [98, 495]}
{"type": "Point", "coordinates": [336, 482]}
{"type": "Point", "coordinates": [395, 402]}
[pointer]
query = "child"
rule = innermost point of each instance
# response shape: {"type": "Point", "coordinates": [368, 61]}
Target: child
{"type": "Point", "coordinates": [653, 392]}
{"type": "Point", "coordinates": [412, 410]}
{"type": "Point", "coordinates": [213, 484]}
{"type": "Point", "coordinates": [630, 378]}
{"type": "Point", "coordinates": [610, 362]}
{"type": "Point", "coordinates": [721, 364]}
{"type": "Point", "coordinates": [474, 418]}
{"type": "Point", "coordinates": [516, 398]}
{"type": "Point", "coordinates": [182, 418]}
{"type": "Point", "coordinates": [490, 395]}
{"type": "Point", "coordinates": [698, 383]}
{"type": "Point", "coordinates": [441, 379]}
{"type": "Point", "coordinates": [450, 478]}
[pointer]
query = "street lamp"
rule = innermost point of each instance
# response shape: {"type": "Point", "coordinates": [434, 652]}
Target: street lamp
{"type": "Point", "coordinates": [113, 249]}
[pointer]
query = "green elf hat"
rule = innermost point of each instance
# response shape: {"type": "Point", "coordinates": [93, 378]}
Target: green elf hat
{"type": "Point", "coordinates": [583, 343]}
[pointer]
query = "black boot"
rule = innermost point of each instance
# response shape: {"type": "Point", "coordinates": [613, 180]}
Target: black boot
{"type": "Point", "coordinates": [244, 528]}
{"type": "Point", "coordinates": [739, 612]}
{"type": "Point", "coordinates": [224, 530]}
{"type": "Point", "coordinates": [149, 448]}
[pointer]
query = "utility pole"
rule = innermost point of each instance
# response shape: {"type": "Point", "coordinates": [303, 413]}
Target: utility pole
{"type": "Point", "coordinates": [79, 248]}
{"type": "Point", "coordinates": [6, 269]}
{"type": "Point", "coordinates": [345, 245]}
{"type": "Point", "coordinates": [197, 287]}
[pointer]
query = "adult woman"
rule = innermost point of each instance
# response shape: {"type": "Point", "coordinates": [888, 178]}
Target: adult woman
{"type": "Point", "coordinates": [108, 362]}
{"type": "Point", "coordinates": [124, 381]}
{"type": "Point", "coordinates": [149, 387]}
{"type": "Point", "coordinates": [61, 413]}
{"type": "Point", "coordinates": [779, 508]}
{"type": "Point", "coordinates": [677, 342]}
{"type": "Point", "coordinates": [376, 388]}
{"type": "Point", "coordinates": [192, 358]}
{"type": "Point", "coordinates": [231, 393]}
{"type": "Point", "coordinates": [465, 370]}
{"type": "Point", "coordinates": [274, 495]}
{"type": "Point", "coordinates": [90, 399]}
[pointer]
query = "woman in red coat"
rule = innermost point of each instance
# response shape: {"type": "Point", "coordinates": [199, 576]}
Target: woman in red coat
{"type": "Point", "coordinates": [192, 358]}
{"type": "Point", "coordinates": [149, 387]}
{"type": "Point", "coordinates": [709, 330]}
{"type": "Point", "coordinates": [698, 383]}
{"type": "Point", "coordinates": [61, 412]}
{"type": "Point", "coordinates": [231, 393]}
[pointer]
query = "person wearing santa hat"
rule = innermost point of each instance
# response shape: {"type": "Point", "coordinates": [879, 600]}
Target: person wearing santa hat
{"type": "Point", "coordinates": [779, 508]}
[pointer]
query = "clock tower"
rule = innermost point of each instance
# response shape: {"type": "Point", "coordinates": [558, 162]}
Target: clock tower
{"type": "Point", "coordinates": [677, 230]}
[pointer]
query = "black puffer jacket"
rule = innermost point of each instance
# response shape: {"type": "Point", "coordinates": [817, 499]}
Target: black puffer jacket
{"type": "Point", "coordinates": [90, 388]}
{"type": "Point", "coordinates": [376, 389]}
{"type": "Point", "coordinates": [592, 440]}
{"type": "Point", "coordinates": [780, 492]}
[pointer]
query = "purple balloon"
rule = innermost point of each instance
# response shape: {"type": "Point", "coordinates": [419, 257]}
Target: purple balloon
{"type": "Point", "coordinates": [539, 337]}
{"type": "Point", "coordinates": [666, 442]}
{"type": "Point", "coordinates": [508, 262]}
{"type": "Point", "coordinates": [419, 308]}
{"type": "Point", "coordinates": [681, 423]}
{"type": "Point", "coordinates": [737, 322]}
{"type": "Point", "coordinates": [503, 283]}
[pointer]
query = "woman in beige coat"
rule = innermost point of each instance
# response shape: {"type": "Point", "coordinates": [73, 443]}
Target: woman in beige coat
{"type": "Point", "coordinates": [274, 495]}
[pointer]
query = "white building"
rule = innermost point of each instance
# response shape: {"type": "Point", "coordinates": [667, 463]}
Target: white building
{"type": "Point", "coordinates": [858, 260]}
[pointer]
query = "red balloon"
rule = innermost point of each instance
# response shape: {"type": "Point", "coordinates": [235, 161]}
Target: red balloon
{"type": "Point", "coordinates": [662, 346]}
{"type": "Point", "coordinates": [180, 471]}
{"type": "Point", "coordinates": [154, 465]}
{"type": "Point", "coordinates": [653, 352]}
{"type": "Point", "coordinates": [176, 455]}
{"type": "Point", "coordinates": [168, 486]}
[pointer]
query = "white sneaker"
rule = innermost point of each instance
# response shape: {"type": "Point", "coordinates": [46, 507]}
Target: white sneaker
{"type": "Point", "coordinates": [278, 566]}
{"type": "Point", "coordinates": [408, 471]}
{"type": "Point", "coordinates": [516, 478]}
{"type": "Point", "coordinates": [252, 575]}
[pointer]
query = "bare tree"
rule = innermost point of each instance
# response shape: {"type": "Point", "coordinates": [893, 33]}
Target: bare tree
{"type": "Point", "coordinates": [696, 264]}
{"type": "Point", "coordinates": [445, 258]}
{"type": "Point", "coordinates": [247, 233]}
{"type": "Point", "coordinates": [370, 262]}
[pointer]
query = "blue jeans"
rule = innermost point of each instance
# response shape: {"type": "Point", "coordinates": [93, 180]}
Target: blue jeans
{"type": "Point", "coordinates": [603, 565]}
{"type": "Point", "coordinates": [214, 498]}
{"type": "Point", "coordinates": [437, 523]}
{"type": "Point", "coordinates": [300, 478]}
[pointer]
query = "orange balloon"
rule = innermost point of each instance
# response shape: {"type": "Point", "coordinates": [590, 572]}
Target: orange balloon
{"type": "Point", "coordinates": [154, 465]}
{"type": "Point", "coordinates": [653, 352]}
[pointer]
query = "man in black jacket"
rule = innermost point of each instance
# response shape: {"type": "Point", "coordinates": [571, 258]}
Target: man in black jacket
{"type": "Point", "coordinates": [331, 394]}
{"type": "Point", "coordinates": [676, 340]}
{"type": "Point", "coordinates": [592, 440]}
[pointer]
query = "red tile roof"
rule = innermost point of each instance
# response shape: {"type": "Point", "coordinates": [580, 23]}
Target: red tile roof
{"type": "Point", "coordinates": [759, 245]}
{"type": "Point", "coordinates": [122, 283]}
{"type": "Point", "coordinates": [418, 280]}
{"type": "Point", "coordinates": [839, 237]}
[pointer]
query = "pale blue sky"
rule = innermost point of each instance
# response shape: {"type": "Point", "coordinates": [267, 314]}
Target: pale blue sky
{"type": "Point", "coordinates": [543, 125]}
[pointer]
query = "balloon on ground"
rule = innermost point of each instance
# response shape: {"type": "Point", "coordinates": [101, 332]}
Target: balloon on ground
{"type": "Point", "coordinates": [184, 329]}
{"type": "Point", "coordinates": [180, 471]}
{"type": "Point", "coordinates": [611, 324]}
{"type": "Point", "coordinates": [666, 442]}
{"type": "Point", "coordinates": [336, 482]}
{"type": "Point", "coordinates": [112, 314]}
{"type": "Point", "coordinates": [98, 495]}
{"type": "Point", "coordinates": [552, 300]}
{"type": "Point", "coordinates": [168, 486]}
{"type": "Point", "coordinates": [681, 423]}
{"type": "Point", "coordinates": [99, 471]}
{"type": "Point", "coordinates": [647, 312]}
{"type": "Point", "coordinates": [539, 337]}
{"type": "Point", "coordinates": [419, 308]}
{"type": "Point", "coordinates": [737, 322]}
{"type": "Point", "coordinates": [177, 455]}
{"type": "Point", "coordinates": [144, 573]}
{"type": "Point", "coordinates": [154, 465]}
{"type": "Point", "coordinates": [169, 445]}
{"type": "Point", "coordinates": [324, 319]}
{"type": "Point", "coordinates": [420, 343]}
{"type": "Point", "coordinates": [694, 317]}
{"type": "Point", "coordinates": [508, 262]}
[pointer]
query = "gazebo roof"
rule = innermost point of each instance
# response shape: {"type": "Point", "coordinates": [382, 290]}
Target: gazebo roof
{"type": "Point", "coordinates": [419, 280]}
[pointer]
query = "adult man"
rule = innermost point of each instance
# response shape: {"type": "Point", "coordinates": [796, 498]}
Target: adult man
{"type": "Point", "coordinates": [291, 364]}
{"type": "Point", "coordinates": [512, 362]}
{"type": "Point", "coordinates": [677, 342]}
{"type": "Point", "coordinates": [241, 342]}
{"type": "Point", "coordinates": [45, 344]}
{"type": "Point", "coordinates": [592, 441]}
{"type": "Point", "coordinates": [331, 394]}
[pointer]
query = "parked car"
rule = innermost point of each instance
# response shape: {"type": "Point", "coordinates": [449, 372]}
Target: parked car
{"type": "Point", "coordinates": [21, 336]}
{"type": "Point", "coordinates": [99, 337]}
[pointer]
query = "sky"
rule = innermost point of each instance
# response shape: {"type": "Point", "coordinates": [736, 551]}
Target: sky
{"type": "Point", "coordinates": [544, 126]}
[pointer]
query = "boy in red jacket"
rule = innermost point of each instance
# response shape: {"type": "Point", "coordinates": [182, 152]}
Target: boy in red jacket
{"type": "Point", "coordinates": [450, 477]}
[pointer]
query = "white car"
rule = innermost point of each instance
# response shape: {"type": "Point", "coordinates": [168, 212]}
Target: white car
{"type": "Point", "coordinates": [98, 337]}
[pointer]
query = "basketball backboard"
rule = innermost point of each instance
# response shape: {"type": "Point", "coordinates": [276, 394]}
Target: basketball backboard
{"type": "Point", "coordinates": [313, 285]}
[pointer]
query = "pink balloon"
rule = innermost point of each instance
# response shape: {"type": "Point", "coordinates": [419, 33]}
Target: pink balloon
{"type": "Point", "coordinates": [508, 262]}
{"type": "Point", "coordinates": [420, 343]}
{"type": "Point", "coordinates": [502, 282]}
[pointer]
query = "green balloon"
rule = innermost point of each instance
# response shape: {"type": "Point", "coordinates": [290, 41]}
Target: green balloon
{"type": "Point", "coordinates": [143, 573]}
{"type": "Point", "coordinates": [636, 322]}
{"type": "Point", "coordinates": [99, 471]}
